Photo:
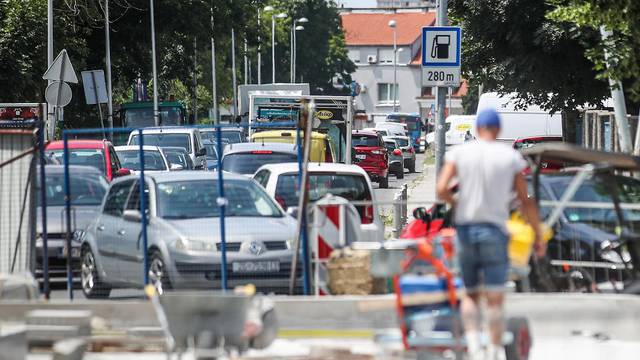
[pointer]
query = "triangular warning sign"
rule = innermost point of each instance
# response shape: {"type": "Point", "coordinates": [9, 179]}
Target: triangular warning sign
{"type": "Point", "coordinates": [61, 69]}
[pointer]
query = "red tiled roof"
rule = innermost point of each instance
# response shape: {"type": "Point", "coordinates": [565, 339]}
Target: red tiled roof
{"type": "Point", "coordinates": [373, 28]}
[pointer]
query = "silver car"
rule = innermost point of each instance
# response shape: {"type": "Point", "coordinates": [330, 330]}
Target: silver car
{"type": "Point", "coordinates": [408, 153]}
{"type": "Point", "coordinates": [184, 235]}
{"type": "Point", "coordinates": [87, 186]}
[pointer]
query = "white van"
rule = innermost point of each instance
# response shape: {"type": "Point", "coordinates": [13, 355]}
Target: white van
{"type": "Point", "coordinates": [516, 124]}
{"type": "Point", "coordinates": [457, 127]}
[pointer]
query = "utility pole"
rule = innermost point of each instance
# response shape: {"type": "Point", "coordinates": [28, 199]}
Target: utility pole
{"type": "Point", "coordinates": [108, 63]}
{"type": "Point", "coordinates": [195, 80]}
{"type": "Point", "coordinates": [50, 110]}
{"type": "Point", "coordinates": [619, 106]}
{"type": "Point", "coordinates": [246, 66]}
{"type": "Point", "coordinates": [214, 89]}
{"type": "Point", "coordinates": [233, 71]}
{"type": "Point", "coordinates": [259, 51]}
{"type": "Point", "coordinates": [441, 97]}
{"type": "Point", "coordinates": [156, 114]}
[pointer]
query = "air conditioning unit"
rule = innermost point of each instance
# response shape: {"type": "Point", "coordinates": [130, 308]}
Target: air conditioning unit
{"type": "Point", "coordinates": [372, 59]}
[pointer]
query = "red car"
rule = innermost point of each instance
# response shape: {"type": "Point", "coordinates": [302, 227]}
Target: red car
{"type": "Point", "coordinates": [371, 155]}
{"type": "Point", "coordinates": [97, 153]}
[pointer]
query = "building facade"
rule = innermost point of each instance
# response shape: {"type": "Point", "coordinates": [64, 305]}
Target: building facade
{"type": "Point", "coordinates": [369, 40]}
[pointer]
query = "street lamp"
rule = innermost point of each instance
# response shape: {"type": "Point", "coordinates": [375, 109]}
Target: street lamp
{"type": "Point", "coordinates": [294, 28]}
{"type": "Point", "coordinates": [392, 24]}
{"type": "Point", "coordinates": [270, 8]}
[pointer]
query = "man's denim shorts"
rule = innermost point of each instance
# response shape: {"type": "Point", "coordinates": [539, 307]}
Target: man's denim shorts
{"type": "Point", "coordinates": [483, 257]}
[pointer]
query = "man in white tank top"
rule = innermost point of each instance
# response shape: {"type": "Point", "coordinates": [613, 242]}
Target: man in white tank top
{"type": "Point", "coordinates": [488, 173]}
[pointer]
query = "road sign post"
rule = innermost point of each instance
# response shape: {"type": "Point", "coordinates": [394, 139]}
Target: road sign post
{"type": "Point", "coordinates": [441, 60]}
{"type": "Point", "coordinates": [58, 93]}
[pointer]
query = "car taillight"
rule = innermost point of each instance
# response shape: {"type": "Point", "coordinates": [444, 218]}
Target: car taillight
{"type": "Point", "coordinates": [377, 152]}
{"type": "Point", "coordinates": [262, 152]}
{"type": "Point", "coordinates": [368, 215]}
{"type": "Point", "coordinates": [397, 152]}
{"type": "Point", "coordinates": [411, 149]}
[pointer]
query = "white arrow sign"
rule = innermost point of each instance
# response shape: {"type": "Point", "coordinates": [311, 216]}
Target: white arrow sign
{"type": "Point", "coordinates": [61, 69]}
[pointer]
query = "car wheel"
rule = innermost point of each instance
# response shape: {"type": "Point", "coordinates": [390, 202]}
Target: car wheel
{"type": "Point", "coordinates": [412, 167]}
{"type": "Point", "coordinates": [158, 275]}
{"type": "Point", "coordinates": [521, 345]}
{"type": "Point", "coordinates": [400, 174]}
{"type": "Point", "coordinates": [92, 285]}
{"type": "Point", "coordinates": [384, 182]}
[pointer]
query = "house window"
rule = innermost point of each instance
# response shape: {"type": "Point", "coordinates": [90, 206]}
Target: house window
{"type": "Point", "coordinates": [386, 93]}
{"type": "Point", "coordinates": [385, 56]}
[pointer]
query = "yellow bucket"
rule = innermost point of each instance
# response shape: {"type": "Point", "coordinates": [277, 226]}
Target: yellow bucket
{"type": "Point", "coordinates": [522, 238]}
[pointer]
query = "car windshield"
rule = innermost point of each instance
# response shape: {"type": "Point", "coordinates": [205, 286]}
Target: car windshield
{"type": "Point", "coordinates": [86, 189]}
{"type": "Point", "coordinates": [390, 146]}
{"type": "Point", "coordinates": [164, 139]}
{"type": "Point", "coordinates": [212, 153]}
{"type": "Point", "coordinates": [86, 157]}
{"type": "Point", "coordinates": [352, 187]}
{"type": "Point", "coordinates": [364, 140]}
{"type": "Point", "coordinates": [249, 162]}
{"type": "Point", "coordinates": [176, 157]}
{"type": "Point", "coordinates": [231, 137]}
{"type": "Point", "coordinates": [594, 191]}
{"type": "Point", "coordinates": [131, 160]}
{"type": "Point", "coordinates": [402, 142]}
{"type": "Point", "coordinates": [192, 199]}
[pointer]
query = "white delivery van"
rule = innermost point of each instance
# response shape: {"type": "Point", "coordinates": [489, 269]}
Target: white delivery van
{"type": "Point", "coordinates": [393, 128]}
{"type": "Point", "coordinates": [516, 123]}
{"type": "Point", "coordinates": [456, 128]}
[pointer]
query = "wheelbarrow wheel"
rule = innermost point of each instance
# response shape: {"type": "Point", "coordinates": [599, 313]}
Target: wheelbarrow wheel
{"type": "Point", "coordinates": [522, 341]}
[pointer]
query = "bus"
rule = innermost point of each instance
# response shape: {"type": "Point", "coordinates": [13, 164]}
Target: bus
{"type": "Point", "coordinates": [414, 128]}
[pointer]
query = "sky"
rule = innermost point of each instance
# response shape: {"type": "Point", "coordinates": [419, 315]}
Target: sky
{"type": "Point", "coordinates": [357, 3]}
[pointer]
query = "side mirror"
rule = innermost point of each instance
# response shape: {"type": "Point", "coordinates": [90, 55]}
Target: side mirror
{"type": "Point", "coordinates": [201, 152]}
{"type": "Point", "coordinates": [292, 211]}
{"type": "Point", "coordinates": [132, 215]}
{"type": "Point", "coordinates": [176, 167]}
{"type": "Point", "coordinates": [122, 172]}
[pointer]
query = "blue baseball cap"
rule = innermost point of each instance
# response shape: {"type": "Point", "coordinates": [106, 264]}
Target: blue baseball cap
{"type": "Point", "coordinates": [488, 118]}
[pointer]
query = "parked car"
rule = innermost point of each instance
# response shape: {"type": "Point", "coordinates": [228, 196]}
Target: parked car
{"type": "Point", "coordinates": [392, 128]}
{"type": "Point", "coordinates": [231, 135]}
{"type": "Point", "coordinates": [348, 181]}
{"type": "Point", "coordinates": [408, 152]}
{"type": "Point", "coordinates": [184, 236]}
{"type": "Point", "coordinates": [383, 132]}
{"type": "Point", "coordinates": [154, 159]}
{"type": "Point", "coordinates": [526, 142]}
{"type": "Point", "coordinates": [185, 137]}
{"type": "Point", "coordinates": [178, 155]}
{"type": "Point", "coordinates": [371, 155]}
{"type": "Point", "coordinates": [212, 153]}
{"type": "Point", "coordinates": [321, 150]}
{"type": "Point", "coordinates": [87, 187]}
{"type": "Point", "coordinates": [99, 154]}
{"type": "Point", "coordinates": [246, 158]}
{"type": "Point", "coordinates": [396, 160]}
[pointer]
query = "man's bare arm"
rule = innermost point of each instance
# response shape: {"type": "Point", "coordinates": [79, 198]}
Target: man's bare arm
{"type": "Point", "coordinates": [530, 212]}
{"type": "Point", "coordinates": [443, 190]}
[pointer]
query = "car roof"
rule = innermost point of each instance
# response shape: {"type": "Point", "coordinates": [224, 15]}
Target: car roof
{"type": "Point", "coordinates": [77, 144]}
{"type": "Point", "coordinates": [59, 169]}
{"type": "Point", "coordinates": [314, 167]}
{"type": "Point", "coordinates": [390, 138]}
{"type": "Point", "coordinates": [174, 148]}
{"type": "Point", "coordinates": [137, 147]}
{"type": "Point", "coordinates": [364, 132]}
{"type": "Point", "coordinates": [290, 133]}
{"type": "Point", "coordinates": [222, 128]}
{"type": "Point", "coordinates": [167, 129]}
{"type": "Point", "coordinates": [251, 146]}
{"type": "Point", "coordinates": [185, 175]}
{"type": "Point", "coordinates": [399, 137]}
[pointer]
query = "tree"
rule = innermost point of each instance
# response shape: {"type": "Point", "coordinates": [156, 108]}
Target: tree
{"type": "Point", "coordinates": [511, 46]}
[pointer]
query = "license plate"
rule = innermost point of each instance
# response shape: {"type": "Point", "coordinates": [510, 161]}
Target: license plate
{"type": "Point", "coordinates": [361, 156]}
{"type": "Point", "coordinates": [245, 267]}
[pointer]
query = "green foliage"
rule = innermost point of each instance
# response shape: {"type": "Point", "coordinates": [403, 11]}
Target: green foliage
{"type": "Point", "coordinates": [512, 46]}
{"type": "Point", "coordinates": [623, 47]}
{"type": "Point", "coordinates": [79, 27]}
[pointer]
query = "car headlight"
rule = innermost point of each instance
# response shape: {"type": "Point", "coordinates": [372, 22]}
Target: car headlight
{"type": "Point", "coordinates": [193, 245]}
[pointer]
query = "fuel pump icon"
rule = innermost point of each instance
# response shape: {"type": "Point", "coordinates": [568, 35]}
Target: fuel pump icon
{"type": "Point", "coordinates": [440, 48]}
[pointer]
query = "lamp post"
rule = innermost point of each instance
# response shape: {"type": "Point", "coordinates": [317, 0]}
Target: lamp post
{"type": "Point", "coordinates": [273, 39]}
{"type": "Point", "coordinates": [156, 114]}
{"type": "Point", "coordinates": [392, 24]}
{"type": "Point", "coordinates": [294, 28]}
